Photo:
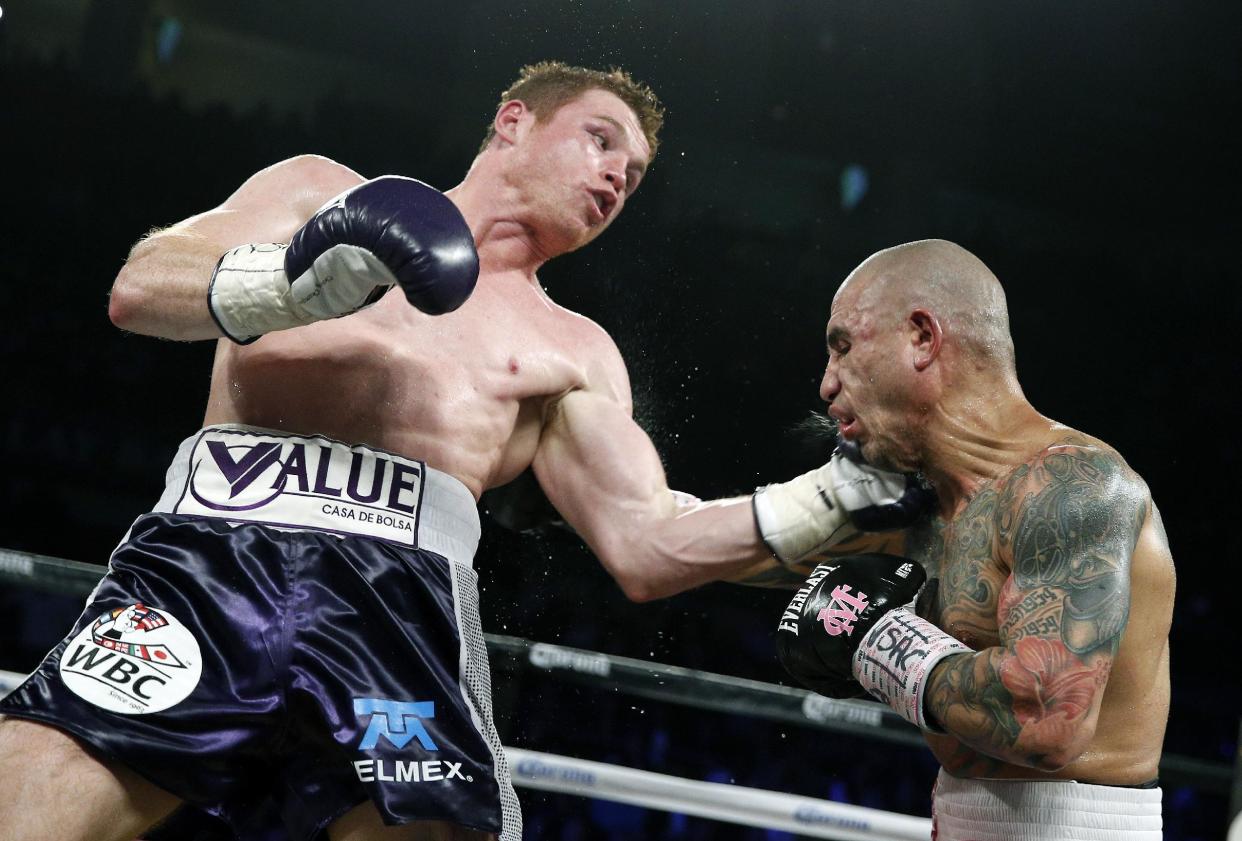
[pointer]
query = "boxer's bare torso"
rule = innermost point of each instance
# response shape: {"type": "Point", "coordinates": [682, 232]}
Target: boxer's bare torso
{"type": "Point", "coordinates": [1057, 570]}
{"type": "Point", "coordinates": [507, 381]}
{"type": "Point", "coordinates": [1003, 567]}
{"type": "Point", "coordinates": [465, 392]}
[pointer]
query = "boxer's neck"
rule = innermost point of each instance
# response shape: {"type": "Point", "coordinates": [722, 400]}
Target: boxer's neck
{"type": "Point", "coordinates": [505, 244]}
{"type": "Point", "coordinates": [973, 436]}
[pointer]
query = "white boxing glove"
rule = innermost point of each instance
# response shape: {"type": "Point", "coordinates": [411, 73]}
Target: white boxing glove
{"type": "Point", "coordinates": [252, 294]}
{"type": "Point", "coordinates": [832, 503]}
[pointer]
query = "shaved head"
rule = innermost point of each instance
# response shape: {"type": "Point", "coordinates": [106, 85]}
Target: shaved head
{"type": "Point", "coordinates": [919, 355]}
{"type": "Point", "coordinates": [946, 280]}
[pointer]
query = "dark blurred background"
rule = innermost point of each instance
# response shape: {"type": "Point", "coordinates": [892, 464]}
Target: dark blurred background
{"type": "Point", "coordinates": [1087, 152]}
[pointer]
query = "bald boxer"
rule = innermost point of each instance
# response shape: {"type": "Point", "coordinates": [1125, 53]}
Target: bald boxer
{"type": "Point", "coordinates": [295, 627]}
{"type": "Point", "coordinates": [1037, 661]}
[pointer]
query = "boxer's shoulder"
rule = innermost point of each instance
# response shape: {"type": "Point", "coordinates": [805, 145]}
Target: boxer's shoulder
{"type": "Point", "coordinates": [1074, 500]}
{"type": "Point", "coordinates": [593, 348]}
{"type": "Point", "coordinates": [1066, 445]}
{"type": "Point", "coordinates": [303, 182]}
{"type": "Point", "coordinates": [577, 329]}
{"type": "Point", "coordinates": [1072, 465]}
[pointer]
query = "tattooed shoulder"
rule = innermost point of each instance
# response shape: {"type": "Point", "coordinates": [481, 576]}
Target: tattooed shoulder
{"type": "Point", "coordinates": [1071, 518]}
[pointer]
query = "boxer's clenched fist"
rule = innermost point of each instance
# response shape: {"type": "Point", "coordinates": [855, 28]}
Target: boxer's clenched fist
{"type": "Point", "coordinates": [834, 502]}
{"type": "Point", "coordinates": [849, 629]}
{"type": "Point", "coordinates": [390, 230]}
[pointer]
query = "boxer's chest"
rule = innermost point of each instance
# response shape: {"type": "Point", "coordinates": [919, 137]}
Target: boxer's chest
{"type": "Point", "coordinates": [505, 345]}
{"type": "Point", "coordinates": [965, 574]}
{"type": "Point", "coordinates": [461, 391]}
{"type": "Point", "coordinates": [525, 345]}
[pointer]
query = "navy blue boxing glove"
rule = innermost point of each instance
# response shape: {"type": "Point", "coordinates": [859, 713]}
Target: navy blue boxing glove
{"type": "Point", "coordinates": [386, 231]}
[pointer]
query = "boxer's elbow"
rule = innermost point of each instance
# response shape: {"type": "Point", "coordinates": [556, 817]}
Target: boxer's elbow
{"type": "Point", "coordinates": [1055, 752]}
{"type": "Point", "coordinates": [639, 590]}
{"type": "Point", "coordinates": [638, 581]}
{"type": "Point", "coordinates": [133, 307]}
{"type": "Point", "coordinates": [126, 301]}
{"type": "Point", "coordinates": [139, 305]}
{"type": "Point", "coordinates": [642, 590]}
{"type": "Point", "coordinates": [642, 572]}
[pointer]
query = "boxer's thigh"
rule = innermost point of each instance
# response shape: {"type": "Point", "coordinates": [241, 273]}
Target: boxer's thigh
{"type": "Point", "coordinates": [363, 823]}
{"type": "Point", "coordinates": [384, 697]}
{"type": "Point", "coordinates": [53, 788]}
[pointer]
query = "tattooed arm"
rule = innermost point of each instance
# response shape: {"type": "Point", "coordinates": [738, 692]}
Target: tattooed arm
{"type": "Point", "coordinates": [773, 573]}
{"type": "Point", "coordinates": [1067, 523]}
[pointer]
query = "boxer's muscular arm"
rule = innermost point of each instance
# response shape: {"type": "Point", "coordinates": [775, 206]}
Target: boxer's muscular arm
{"type": "Point", "coordinates": [603, 474]}
{"type": "Point", "coordinates": [1069, 522]}
{"type": "Point", "coordinates": [772, 573]}
{"type": "Point", "coordinates": [162, 288]}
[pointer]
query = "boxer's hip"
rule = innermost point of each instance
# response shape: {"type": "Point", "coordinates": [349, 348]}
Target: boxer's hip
{"type": "Point", "coordinates": [1043, 810]}
{"type": "Point", "coordinates": [247, 474]}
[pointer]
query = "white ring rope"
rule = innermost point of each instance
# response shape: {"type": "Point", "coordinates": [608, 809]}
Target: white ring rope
{"type": "Point", "coordinates": [717, 801]}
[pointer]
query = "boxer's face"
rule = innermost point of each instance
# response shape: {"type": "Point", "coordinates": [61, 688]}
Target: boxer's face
{"type": "Point", "coordinates": [868, 382]}
{"type": "Point", "coordinates": [577, 168]}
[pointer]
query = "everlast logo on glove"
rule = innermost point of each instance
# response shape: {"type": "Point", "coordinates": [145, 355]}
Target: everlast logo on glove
{"type": "Point", "coordinates": [789, 619]}
{"type": "Point", "coordinates": [842, 612]}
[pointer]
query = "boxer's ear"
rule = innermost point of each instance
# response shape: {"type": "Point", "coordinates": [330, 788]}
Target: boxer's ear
{"type": "Point", "coordinates": [508, 121]}
{"type": "Point", "coordinates": [926, 337]}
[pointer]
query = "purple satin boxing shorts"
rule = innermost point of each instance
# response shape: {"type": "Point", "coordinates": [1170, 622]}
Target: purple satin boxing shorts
{"type": "Point", "coordinates": [294, 629]}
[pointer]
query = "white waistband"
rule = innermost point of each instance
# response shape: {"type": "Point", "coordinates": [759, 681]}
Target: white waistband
{"type": "Point", "coordinates": [1043, 810]}
{"type": "Point", "coordinates": [295, 482]}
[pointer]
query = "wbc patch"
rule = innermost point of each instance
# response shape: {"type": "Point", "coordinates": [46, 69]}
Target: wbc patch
{"type": "Point", "coordinates": [132, 660]}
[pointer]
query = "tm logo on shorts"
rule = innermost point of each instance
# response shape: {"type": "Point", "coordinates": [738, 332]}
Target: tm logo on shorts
{"type": "Point", "coordinates": [397, 721]}
{"type": "Point", "coordinates": [132, 660]}
{"type": "Point", "coordinates": [395, 724]}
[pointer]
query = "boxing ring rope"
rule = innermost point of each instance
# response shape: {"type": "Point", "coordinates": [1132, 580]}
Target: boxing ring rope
{"type": "Point", "coordinates": [687, 687]}
{"type": "Point", "coordinates": [717, 801]}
